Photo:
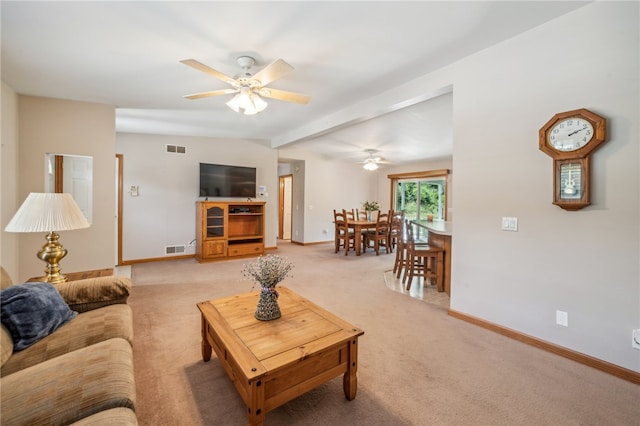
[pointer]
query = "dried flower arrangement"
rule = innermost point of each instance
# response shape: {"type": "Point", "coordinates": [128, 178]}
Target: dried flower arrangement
{"type": "Point", "coordinates": [268, 270]}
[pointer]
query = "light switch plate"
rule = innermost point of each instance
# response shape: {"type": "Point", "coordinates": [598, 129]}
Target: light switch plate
{"type": "Point", "coordinates": [510, 224]}
{"type": "Point", "coordinates": [562, 318]}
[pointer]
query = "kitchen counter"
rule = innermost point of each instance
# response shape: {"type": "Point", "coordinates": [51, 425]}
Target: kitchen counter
{"type": "Point", "coordinates": [439, 227]}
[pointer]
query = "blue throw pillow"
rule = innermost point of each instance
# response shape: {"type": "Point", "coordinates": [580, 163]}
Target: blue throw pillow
{"type": "Point", "coordinates": [33, 311]}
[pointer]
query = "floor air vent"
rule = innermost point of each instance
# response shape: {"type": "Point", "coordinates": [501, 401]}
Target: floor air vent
{"type": "Point", "coordinates": [174, 249]}
{"type": "Point", "coordinates": [176, 149]}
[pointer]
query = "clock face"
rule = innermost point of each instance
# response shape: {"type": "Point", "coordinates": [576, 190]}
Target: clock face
{"type": "Point", "coordinates": [570, 134]}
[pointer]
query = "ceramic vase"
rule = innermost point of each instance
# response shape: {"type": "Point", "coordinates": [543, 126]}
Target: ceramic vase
{"type": "Point", "coordinates": [268, 308]}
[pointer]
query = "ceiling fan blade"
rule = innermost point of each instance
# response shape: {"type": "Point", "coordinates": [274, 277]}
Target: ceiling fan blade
{"type": "Point", "coordinates": [283, 95]}
{"type": "Point", "coordinates": [272, 72]}
{"type": "Point", "coordinates": [372, 159]}
{"type": "Point", "coordinates": [206, 69]}
{"type": "Point", "coordinates": [212, 93]}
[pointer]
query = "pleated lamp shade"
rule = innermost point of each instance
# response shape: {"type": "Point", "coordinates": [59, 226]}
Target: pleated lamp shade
{"type": "Point", "coordinates": [47, 212]}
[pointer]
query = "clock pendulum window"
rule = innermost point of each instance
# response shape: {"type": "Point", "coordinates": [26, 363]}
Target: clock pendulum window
{"type": "Point", "coordinates": [569, 138]}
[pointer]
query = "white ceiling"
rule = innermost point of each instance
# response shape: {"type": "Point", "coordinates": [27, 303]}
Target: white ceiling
{"type": "Point", "coordinates": [127, 54]}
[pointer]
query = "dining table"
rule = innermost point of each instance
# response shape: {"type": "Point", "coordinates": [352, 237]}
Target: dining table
{"type": "Point", "coordinates": [358, 226]}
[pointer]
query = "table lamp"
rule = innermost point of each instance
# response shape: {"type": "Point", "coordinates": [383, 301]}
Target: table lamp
{"type": "Point", "coordinates": [49, 212]}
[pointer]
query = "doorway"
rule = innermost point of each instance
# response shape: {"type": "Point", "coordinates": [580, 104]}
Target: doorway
{"type": "Point", "coordinates": [119, 186]}
{"type": "Point", "coordinates": [284, 210]}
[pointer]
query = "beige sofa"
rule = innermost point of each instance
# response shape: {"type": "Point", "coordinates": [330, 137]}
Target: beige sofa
{"type": "Point", "coordinates": [81, 373]}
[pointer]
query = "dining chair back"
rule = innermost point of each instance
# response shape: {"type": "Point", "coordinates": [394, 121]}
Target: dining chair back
{"type": "Point", "coordinates": [361, 214]}
{"type": "Point", "coordinates": [379, 235]}
{"type": "Point", "coordinates": [344, 238]}
{"type": "Point", "coordinates": [350, 214]}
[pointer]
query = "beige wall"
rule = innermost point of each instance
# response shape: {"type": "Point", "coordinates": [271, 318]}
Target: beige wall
{"type": "Point", "coordinates": [9, 179]}
{"type": "Point", "coordinates": [48, 125]}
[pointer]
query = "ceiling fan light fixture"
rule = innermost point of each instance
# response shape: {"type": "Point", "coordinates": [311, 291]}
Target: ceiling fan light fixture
{"type": "Point", "coordinates": [370, 165]}
{"type": "Point", "coordinates": [247, 103]}
{"type": "Point", "coordinates": [259, 103]}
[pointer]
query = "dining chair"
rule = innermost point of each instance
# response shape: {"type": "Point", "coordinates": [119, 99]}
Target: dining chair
{"type": "Point", "coordinates": [423, 261]}
{"type": "Point", "coordinates": [379, 235]}
{"type": "Point", "coordinates": [361, 215]}
{"type": "Point", "coordinates": [344, 237]}
{"type": "Point", "coordinates": [350, 214]}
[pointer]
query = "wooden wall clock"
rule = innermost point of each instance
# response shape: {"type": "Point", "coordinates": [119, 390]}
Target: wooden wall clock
{"type": "Point", "coordinates": [569, 138]}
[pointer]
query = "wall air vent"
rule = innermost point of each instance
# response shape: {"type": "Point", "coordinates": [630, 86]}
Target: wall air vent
{"type": "Point", "coordinates": [176, 149]}
{"type": "Point", "coordinates": [174, 249]}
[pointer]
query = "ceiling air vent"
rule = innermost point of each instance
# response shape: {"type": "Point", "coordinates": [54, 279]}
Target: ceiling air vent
{"type": "Point", "coordinates": [176, 149]}
{"type": "Point", "coordinates": [174, 249]}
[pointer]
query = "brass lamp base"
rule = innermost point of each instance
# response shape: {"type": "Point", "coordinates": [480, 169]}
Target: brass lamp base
{"type": "Point", "coordinates": [52, 253]}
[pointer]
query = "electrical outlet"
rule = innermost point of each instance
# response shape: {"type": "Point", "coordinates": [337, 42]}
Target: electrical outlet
{"type": "Point", "coordinates": [635, 338]}
{"type": "Point", "coordinates": [562, 318]}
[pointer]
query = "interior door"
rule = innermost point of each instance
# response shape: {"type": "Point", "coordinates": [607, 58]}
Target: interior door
{"type": "Point", "coordinates": [285, 211]}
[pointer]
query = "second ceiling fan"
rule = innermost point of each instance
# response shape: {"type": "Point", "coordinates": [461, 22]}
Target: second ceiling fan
{"type": "Point", "coordinates": [372, 163]}
{"type": "Point", "coordinates": [249, 88]}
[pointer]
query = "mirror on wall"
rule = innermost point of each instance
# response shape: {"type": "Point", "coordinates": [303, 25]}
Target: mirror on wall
{"type": "Point", "coordinates": [72, 174]}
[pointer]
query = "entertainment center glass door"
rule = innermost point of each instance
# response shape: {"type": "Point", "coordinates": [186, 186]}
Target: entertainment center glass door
{"type": "Point", "coordinates": [215, 222]}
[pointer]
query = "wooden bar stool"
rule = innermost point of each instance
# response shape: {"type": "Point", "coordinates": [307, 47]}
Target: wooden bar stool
{"type": "Point", "coordinates": [397, 222]}
{"type": "Point", "coordinates": [401, 245]}
{"type": "Point", "coordinates": [401, 248]}
{"type": "Point", "coordinates": [422, 261]}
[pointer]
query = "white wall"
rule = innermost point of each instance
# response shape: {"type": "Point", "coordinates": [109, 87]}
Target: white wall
{"type": "Point", "coordinates": [585, 263]}
{"type": "Point", "coordinates": [164, 212]}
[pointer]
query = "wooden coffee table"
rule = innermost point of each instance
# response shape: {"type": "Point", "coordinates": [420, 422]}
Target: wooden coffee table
{"type": "Point", "coordinates": [273, 362]}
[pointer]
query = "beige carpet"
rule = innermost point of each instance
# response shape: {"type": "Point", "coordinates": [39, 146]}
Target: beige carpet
{"type": "Point", "coordinates": [417, 365]}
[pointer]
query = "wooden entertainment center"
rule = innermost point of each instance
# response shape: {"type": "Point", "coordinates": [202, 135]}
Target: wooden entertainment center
{"type": "Point", "coordinates": [226, 229]}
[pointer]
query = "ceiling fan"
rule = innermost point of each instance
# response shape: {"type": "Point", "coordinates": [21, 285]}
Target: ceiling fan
{"type": "Point", "coordinates": [372, 163]}
{"type": "Point", "coordinates": [249, 88]}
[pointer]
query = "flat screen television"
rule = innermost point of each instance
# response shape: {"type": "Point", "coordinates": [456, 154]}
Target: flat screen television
{"type": "Point", "coordinates": [218, 180]}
